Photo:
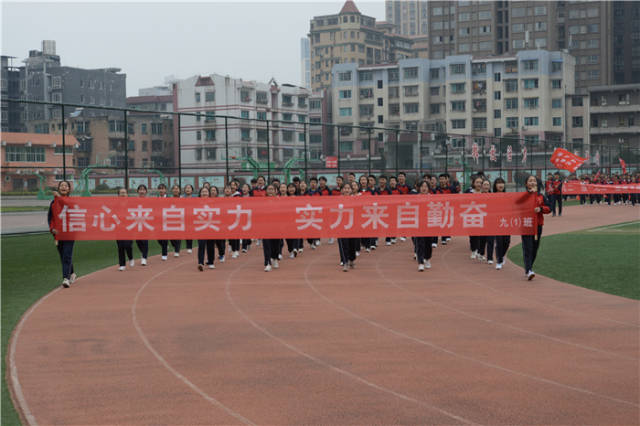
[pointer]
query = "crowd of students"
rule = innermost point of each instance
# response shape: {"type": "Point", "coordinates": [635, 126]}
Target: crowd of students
{"type": "Point", "coordinates": [486, 249]}
{"type": "Point", "coordinates": [608, 179]}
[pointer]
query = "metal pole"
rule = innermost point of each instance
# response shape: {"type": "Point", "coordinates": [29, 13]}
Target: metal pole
{"type": "Point", "coordinates": [64, 148]}
{"type": "Point", "coordinates": [268, 155]}
{"type": "Point", "coordinates": [126, 151]}
{"type": "Point", "coordinates": [464, 162]}
{"type": "Point", "coordinates": [306, 153]}
{"type": "Point", "coordinates": [446, 156]}
{"type": "Point", "coordinates": [226, 148]}
{"type": "Point", "coordinates": [179, 154]}
{"type": "Point", "coordinates": [500, 148]}
{"type": "Point", "coordinates": [397, 159]}
{"type": "Point", "coordinates": [420, 154]}
{"type": "Point", "coordinates": [369, 159]}
{"type": "Point", "coordinates": [545, 160]}
{"type": "Point", "coordinates": [338, 150]}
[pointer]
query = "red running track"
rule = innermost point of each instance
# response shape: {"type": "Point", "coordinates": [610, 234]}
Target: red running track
{"type": "Point", "coordinates": [310, 344]}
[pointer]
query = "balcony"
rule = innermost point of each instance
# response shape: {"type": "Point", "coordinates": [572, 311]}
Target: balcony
{"type": "Point", "coordinates": [612, 130]}
{"type": "Point", "coordinates": [608, 109]}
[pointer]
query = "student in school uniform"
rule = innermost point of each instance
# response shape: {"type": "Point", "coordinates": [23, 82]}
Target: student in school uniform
{"type": "Point", "coordinates": [445, 187]}
{"type": "Point", "coordinates": [65, 248]}
{"type": "Point", "coordinates": [234, 244]}
{"type": "Point", "coordinates": [125, 247]}
{"type": "Point", "coordinates": [206, 246]}
{"type": "Point", "coordinates": [474, 241]}
{"type": "Point", "coordinates": [367, 188]}
{"type": "Point", "coordinates": [312, 191]}
{"type": "Point", "coordinates": [293, 243]}
{"type": "Point", "coordinates": [337, 190]}
{"type": "Point", "coordinates": [245, 191]}
{"type": "Point", "coordinates": [323, 189]}
{"type": "Point", "coordinates": [188, 193]}
{"type": "Point", "coordinates": [176, 244]}
{"type": "Point", "coordinates": [164, 244]}
{"type": "Point", "coordinates": [259, 190]}
{"type": "Point", "coordinates": [502, 241]}
{"type": "Point", "coordinates": [402, 183]}
{"type": "Point", "coordinates": [423, 247]}
{"type": "Point", "coordinates": [219, 244]}
{"type": "Point", "coordinates": [487, 242]}
{"type": "Point", "coordinates": [531, 243]}
{"type": "Point", "coordinates": [557, 194]}
{"type": "Point", "coordinates": [143, 245]}
{"type": "Point", "coordinates": [270, 246]}
{"type": "Point", "coordinates": [347, 246]}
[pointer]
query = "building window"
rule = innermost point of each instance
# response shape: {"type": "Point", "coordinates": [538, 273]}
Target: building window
{"type": "Point", "coordinates": [245, 134]}
{"type": "Point", "coordinates": [496, 95]}
{"type": "Point", "coordinates": [576, 121]}
{"type": "Point", "coordinates": [496, 76]}
{"type": "Point", "coordinates": [262, 135]}
{"type": "Point", "coordinates": [394, 92]}
{"type": "Point", "coordinates": [434, 73]}
{"type": "Point", "coordinates": [261, 115]}
{"type": "Point", "coordinates": [556, 66]}
{"type": "Point", "coordinates": [576, 101]}
{"type": "Point", "coordinates": [210, 135]}
{"type": "Point", "coordinates": [244, 114]}
{"type": "Point", "coordinates": [479, 123]}
{"type": "Point", "coordinates": [557, 121]}
{"type": "Point", "coordinates": [556, 84]}
{"type": "Point", "coordinates": [346, 146]}
{"type": "Point", "coordinates": [458, 106]}
{"type": "Point", "coordinates": [198, 135]}
{"type": "Point", "coordinates": [345, 112]}
{"type": "Point", "coordinates": [27, 154]}
{"type": "Point", "coordinates": [457, 68]}
{"type": "Point", "coordinates": [261, 98]}
{"type": "Point", "coordinates": [365, 75]}
{"type": "Point", "coordinates": [457, 88]}
{"type": "Point", "coordinates": [366, 93]}
{"type": "Point", "coordinates": [411, 108]}
{"type": "Point", "coordinates": [556, 103]}
{"type": "Point", "coordinates": [497, 113]}
{"type": "Point", "coordinates": [287, 136]}
{"type": "Point", "coordinates": [530, 103]}
{"type": "Point", "coordinates": [344, 94]}
{"type": "Point", "coordinates": [458, 124]}
{"type": "Point", "coordinates": [497, 132]}
{"type": "Point", "coordinates": [410, 73]}
{"type": "Point", "coordinates": [512, 122]}
{"type": "Point", "coordinates": [434, 108]}
{"type": "Point", "coordinates": [209, 96]}
{"type": "Point", "coordinates": [530, 83]}
{"type": "Point", "coordinates": [394, 75]}
{"type": "Point", "coordinates": [531, 121]}
{"type": "Point", "coordinates": [477, 69]}
{"type": "Point", "coordinates": [434, 91]}
{"type": "Point", "coordinates": [197, 96]}
{"type": "Point", "coordinates": [410, 90]}
{"type": "Point", "coordinates": [344, 76]}
{"type": "Point", "coordinates": [530, 65]}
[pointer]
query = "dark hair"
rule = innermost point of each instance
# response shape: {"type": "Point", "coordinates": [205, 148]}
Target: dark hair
{"type": "Point", "coordinates": [537, 182]}
{"type": "Point", "coordinates": [402, 173]}
{"type": "Point", "coordinates": [263, 178]}
{"type": "Point", "coordinates": [313, 179]}
{"type": "Point", "coordinates": [497, 181]}
{"type": "Point", "coordinates": [295, 179]}
{"type": "Point", "coordinates": [254, 180]}
{"type": "Point", "coordinates": [444, 175]}
{"type": "Point", "coordinates": [292, 185]}
{"type": "Point", "coordinates": [162, 186]}
{"type": "Point", "coordinates": [323, 178]}
{"type": "Point", "coordinates": [352, 174]}
{"type": "Point", "coordinates": [185, 187]}
{"type": "Point", "coordinates": [142, 186]}
{"type": "Point", "coordinates": [175, 185]}
{"type": "Point", "coordinates": [203, 188]}
{"type": "Point", "coordinates": [382, 177]}
{"type": "Point", "coordinates": [393, 177]}
{"type": "Point", "coordinates": [371, 177]}
{"type": "Point", "coordinates": [64, 181]}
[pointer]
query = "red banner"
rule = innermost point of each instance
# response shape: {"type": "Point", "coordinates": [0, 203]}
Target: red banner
{"type": "Point", "coordinates": [331, 162]}
{"type": "Point", "coordinates": [123, 218]}
{"type": "Point", "coordinates": [563, 159]}
{"type": "Point", "coordinates": [623, 165]}
{"type": "Point", "coordinates": [575, 187]}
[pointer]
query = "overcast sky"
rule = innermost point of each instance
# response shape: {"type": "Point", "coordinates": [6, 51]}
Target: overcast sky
{"type": "Point", "coordinates": [152, 40]}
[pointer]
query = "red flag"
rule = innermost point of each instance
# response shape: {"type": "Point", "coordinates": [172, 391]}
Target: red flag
{"type": "Point", "coordinates": [331, 162]}
{"type": "Point", "coordinates": [597, 175]}
{"type": "Point", "coordinates": [623, 165]}
{"type": "Point", "coordinates": [563, 159]}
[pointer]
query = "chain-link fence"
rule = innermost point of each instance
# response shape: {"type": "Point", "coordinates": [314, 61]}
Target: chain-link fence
{"type": "Point", "coordinates": [102, 148]}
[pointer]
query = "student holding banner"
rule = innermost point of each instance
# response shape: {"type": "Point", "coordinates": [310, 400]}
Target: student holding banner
{"type": "Point", "coordinates": [205, 245]}
{"type": "Point", "coordinates": [176, 244]}
{"type": "Point", "coordinates": [474, 241]}
{"type": "Point", "coordinates": [347, 246]}
{"type": "Point", "coordinates": [502, 241]}
{"type": "Point", "coordinates": [188, 193]}
{"type": "Point", "coordinates": [424, 249]}
{"type": "Point", "coordinates": [270, 246]}
{"type": "Point", "coordinates": [164, 244]}
{"type": "Point", "coordinates": [233, 243]}
{"type": "Point", "coordinates": [65, 248]}
{"type": "Point", "coordinates": [531, 243]}
{"type": "Point", "coordinates": [143, 245]}
{"type": "Point", "coordinates": [220, 244]}
{"type": "Point", "coordinates": [125, 247]}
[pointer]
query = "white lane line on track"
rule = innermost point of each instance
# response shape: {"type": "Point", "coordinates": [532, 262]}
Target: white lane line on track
{"type": "Point", "coordinates": [325, 364]}
{"type": "Point", "coordinates": [490, 321]}
{"type": "Point", "coordinates": [617, 225]}
{"type": "Point", "coordinates": [168, 366]}
{"type": "Point", "coordinates": [457, 355]}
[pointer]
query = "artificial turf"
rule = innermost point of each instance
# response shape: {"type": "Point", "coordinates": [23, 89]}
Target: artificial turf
{"type": "Point", "coordinates": [30, 269]}
{"type": "Point", "coordinates": [605, 259]}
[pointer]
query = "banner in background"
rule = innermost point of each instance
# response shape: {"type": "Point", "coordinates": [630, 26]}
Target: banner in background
{"type": "Point", "coordinates": [575, 187]}
{"type": "Point", "coordinates": [563, 159]}
{"type": "Point", "coordinates": [131, 218]}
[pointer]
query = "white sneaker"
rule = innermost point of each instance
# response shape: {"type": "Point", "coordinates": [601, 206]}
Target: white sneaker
{"type": "Point", "coordinates": [368, 250]}
{"type": "Point", "coordinates": [189, 251]}
{"type": "Point", "coordinates": [403, 239]}
{"type": "Point", "coordinates": [352, 264]}
{"type": "Point", "coordinates": [132, 263]}
{"type": "Point", "coordinates": [331, 240]}
{"type": "Point", "coordinates": [481, 258]}
{"type": "Point", "coordinates": [443, 242]}
{"type": "Point", "coordinates": [531, 275]}
{"type": "Point", "coordinates": [427, 264]}
{"type": "Point", "coordinates": [474, 254]}
{"type": "Point", "coordinates": [73, 278]}
{"type": "Point", "coordinates": [388, 243]}
{"type": "Point", "coordinates": [318, 243]}
{"type": "Point", "coordinates": [221, 259]}
{"type": "Point", "coordinates": [212, 266]}
{"type": "Point", "coordinates": [434, 245]}
{"type": "Point", "coordinates": [373, 247]}
{"type": "Point", "coordinates": [176, 254]}
{"type": "Point", "coordinates": [345, 268]}
{"type": "Point", "coordinates": [66, 283]}
{"type": "Point", "coordinates": [421, 267]}
{"type": "Point", "coordinates": [292, 256]}
{"type": "Point", "coordinates": [300, 251]}
{"type": "Point", "coordinates": [143, 262]}
{"type": "Point", "coordinates": [490, 262]}
{"type": "Point", "coordinates": [498, 266]}
{"type": "Point", "coordinates": [200, 267]}
{"type": "Point", "coordinates": [244, 250]}
{"type": "Point", "coordinates": [267, 268]}
{"type": "Point", "coordinates": [415, 256]}
{"type": "Point", "coordinates": [448, 240]}
{"type": "Point", "coordinates": [393, 241]}
{"type": "Point", "coordinates": [276, 265]}
{"type": "Point", "coordinates": [341, 263]}
{"type": "Point", "coordinates": [122, 268]}
{"type": "Point", "coordinates": [313, 246]}
{"type": "Point", "coordinates": [235, 255]}
{"type": "Point", "coordinates": [280, 256]}
{"type": "Point", "coordinates": [164, 257]}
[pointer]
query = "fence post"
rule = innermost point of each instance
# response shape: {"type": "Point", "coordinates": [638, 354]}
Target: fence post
{"type": "Point", "coordinates": [268, 155]}
{"type": "Point", "coordinates": [500, 148]}
{"type": "Point", "coordinates": [126, 151]}
{"type": "Point", "coordinates": [397, 156]}
{"type": "Point", "coordinates": [464, 163]}
{"type": "Point", "coordinates": [64, 147]}
{"type": "Point", "coordinates": [369, 158]}
{"type": "Point", "coordinates": [226, 148]}
{"type": "Point", "coordinates": [420, 154]}
{"type": "Point", "coordinates": [179, 154]}
{"type": "Point", "coordinates": [306, 153]}
{"type": "Point", "coordinates": [544, 158]}
{"type": "Point", "coordinates": [338, 149]}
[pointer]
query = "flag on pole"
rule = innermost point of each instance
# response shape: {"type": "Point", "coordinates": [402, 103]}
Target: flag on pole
{"type": "Point", "coordinates": [623, 165]}
{"type": "Point", "coordinates": [563, 159]}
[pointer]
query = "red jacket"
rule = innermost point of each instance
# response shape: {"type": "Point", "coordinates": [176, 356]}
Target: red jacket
{"type": "Point", "coordinates": [544, 209]}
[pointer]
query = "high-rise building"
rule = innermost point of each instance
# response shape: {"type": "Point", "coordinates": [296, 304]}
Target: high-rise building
{"type": "Point", "coordinates": [615, 116]}
{"type": "Point", "coordinates": [305, 63]}
{"type": "Point", "coordinates": [351, 37]}
{"type": "Point", "coordinates": [12, 88]}
{"type": "Point", "coordinates": [603, 36]}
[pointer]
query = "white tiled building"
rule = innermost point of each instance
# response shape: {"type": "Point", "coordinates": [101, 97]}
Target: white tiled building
{"type": "Point", "coordinates": [521, 95]}
{"type": "Point", "coordinates": [202, 134]}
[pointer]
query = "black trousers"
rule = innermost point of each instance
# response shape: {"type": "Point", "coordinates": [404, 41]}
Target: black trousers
{"type": "Point", "coordinates": [65, 250]}
{"type": "Point", "coordinates": [583, 198]}
{"type": "Point", "coordinates": [176, 245]}
{"type": "Point", "coordinates": [124, 247]}
{"type": "Point", "coordinates": [347, 248]}
{"type": "Point", "coordinates": [423, 248]}
{"type": "Point", "coordinates": [292, 244]}
{"type": "Point", "coordinates": [235, 245]}
{"type": "Point", "coordinates": [164, 245]}
{"type": "Point", "coordinates": [143, 246]}
{"type": "Point", "coordinates": [502, 245]}
{"type": "Point", "coordinates": [221, 245]}
{"type": "Point", "coordinates": [489, 244]}
{"type": "Point", "coordinates": [270, 249]}
{"type": "Point", "coordinates": [556, 199]}
{"type": "Point", "coordinates": [530, 244]}
{"type": "Point", "coordinates": [246, 244]}
{"type": "Point", "coordinates": [189, 244]}
{"type": "Point", "coordinates": [207, 246]}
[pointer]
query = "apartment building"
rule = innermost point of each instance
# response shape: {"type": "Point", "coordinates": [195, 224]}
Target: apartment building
{"type": "Point", "coordinates": [521, 95]}
{"type": "Point", "coordinates": [350, 37]}
{"type": "Point", "coordinates": [604, 36]}
{"type": "Point", "coordinates": [251, 137]}
{"type": "Point", "coordinates": [615, 116]}
{"type": "Point", "coordinates": [158, 98]}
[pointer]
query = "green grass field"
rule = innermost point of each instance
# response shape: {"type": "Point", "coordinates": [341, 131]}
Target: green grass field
{"type": "Point", "coordinates": [30, 269]}
{"type": "Point", "coordinates": [12, 209]}
{"type": "Point", "coordinates": [603, 259]}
